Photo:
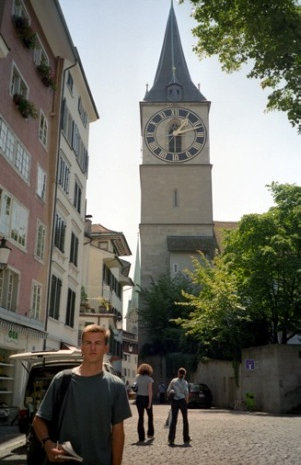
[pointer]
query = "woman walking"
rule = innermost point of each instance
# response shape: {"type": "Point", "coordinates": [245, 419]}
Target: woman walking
{"type": "Point", "coordinates": [144, 398]}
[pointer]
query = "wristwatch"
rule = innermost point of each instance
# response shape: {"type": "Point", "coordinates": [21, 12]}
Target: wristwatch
{"type": "Point", "coordinates": [44, 440]}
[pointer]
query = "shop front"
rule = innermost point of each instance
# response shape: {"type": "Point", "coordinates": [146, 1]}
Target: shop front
{"type": "Point", "coordinates": [14, 338]}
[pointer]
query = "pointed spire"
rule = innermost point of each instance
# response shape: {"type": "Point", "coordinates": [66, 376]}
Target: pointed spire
{"type": "Point", "coordinates": [172, 81]}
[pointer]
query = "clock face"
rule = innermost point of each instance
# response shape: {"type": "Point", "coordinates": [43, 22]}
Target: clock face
{"type": "Point", "coordinates": [175, 135]}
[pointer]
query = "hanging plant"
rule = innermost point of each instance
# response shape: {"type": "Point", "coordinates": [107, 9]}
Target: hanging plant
{"type": "Point", "coordinates": [25, 107]}
{"type": "Point", "coordinates": [24, 31]}
{"type": "Point", "coordinates": [46, 75]}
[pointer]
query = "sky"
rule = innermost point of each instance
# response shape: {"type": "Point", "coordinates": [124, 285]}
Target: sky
{"type": "Point", "coordinates": [119, 42]}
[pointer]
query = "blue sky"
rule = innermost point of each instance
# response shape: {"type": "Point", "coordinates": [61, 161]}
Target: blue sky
{"type": "Point", "coordinates": [119, 42]}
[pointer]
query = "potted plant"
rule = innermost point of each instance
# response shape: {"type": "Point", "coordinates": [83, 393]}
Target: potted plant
{"type": "Point", "coordinates": [25, 107]}
{"type": "Point", "coordinates": [46, 75]}
{"type": "Point", "coordinates": [24, 31]}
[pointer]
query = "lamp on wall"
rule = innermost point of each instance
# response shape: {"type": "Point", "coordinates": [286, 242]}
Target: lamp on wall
{"type": "Point", "coordinates": [4, 254]}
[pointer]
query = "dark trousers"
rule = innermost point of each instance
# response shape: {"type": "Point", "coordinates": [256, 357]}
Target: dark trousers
{"type": "Point", "coordinates": [177, 405]}
{"type": "Point", "coordinates": [141, 404]}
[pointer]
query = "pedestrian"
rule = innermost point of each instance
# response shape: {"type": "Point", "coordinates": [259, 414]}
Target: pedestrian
{"type": "Point", "coordinates": [178, 392]}
{"type": "Point", "coordinates": [128, 388]}
{"type": "Point", "coordinates": [161, 392]}
{"type": "Point", "coordinates": [144, 398]}
{"type": "Point", "coordinates": [93, 410]}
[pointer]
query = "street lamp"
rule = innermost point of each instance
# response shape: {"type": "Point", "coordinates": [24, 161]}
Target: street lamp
{"type": "Point", "coordinates": [4, 254]}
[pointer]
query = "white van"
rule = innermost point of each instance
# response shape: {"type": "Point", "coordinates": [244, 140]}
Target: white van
{"type": "Point", "coordinates": [41, 367]}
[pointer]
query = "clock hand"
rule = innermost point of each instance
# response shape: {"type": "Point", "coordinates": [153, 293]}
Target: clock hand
{"type": "Point", "coordinates": [186, 130]}
{"type": "Point", "coordinates": [182, 125]}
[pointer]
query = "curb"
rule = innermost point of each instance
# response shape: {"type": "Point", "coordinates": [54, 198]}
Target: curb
{"type": "Point", "coordinates": [7, 446]}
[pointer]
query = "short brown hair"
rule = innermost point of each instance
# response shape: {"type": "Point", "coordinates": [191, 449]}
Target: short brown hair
{"type": "Point", "coordinates": [97, 329]}
{"type": "Point", "coordinates": [145, 369]}
{"type": "Point", "coordinates": [182, 371]}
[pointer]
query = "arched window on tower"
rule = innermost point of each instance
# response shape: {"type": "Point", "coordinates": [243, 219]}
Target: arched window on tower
{"type": "Point", "coordinates": [175, 142]}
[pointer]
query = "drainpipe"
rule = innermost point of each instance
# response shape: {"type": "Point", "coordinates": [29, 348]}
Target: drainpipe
{"type": "Point", "coordinates": [54, 203]}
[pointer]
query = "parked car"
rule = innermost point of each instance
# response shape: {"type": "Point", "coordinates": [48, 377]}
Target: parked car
{"type": "Point", "coordinates": [200, 396]}
{"type": "Point", "coordinates": [41, 367]}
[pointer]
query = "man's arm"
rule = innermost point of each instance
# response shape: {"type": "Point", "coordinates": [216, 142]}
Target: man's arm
{"type": "Point", "coordinates": [117, 443]}
{"type": "Point", "coordinates": [42, 433]}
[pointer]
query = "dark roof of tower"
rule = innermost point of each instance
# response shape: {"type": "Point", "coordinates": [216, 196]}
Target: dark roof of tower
{"type": "Point", "coordinates": [172, 68]}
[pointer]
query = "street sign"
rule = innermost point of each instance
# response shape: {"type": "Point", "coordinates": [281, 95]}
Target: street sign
{"type": "Point", "coordinates": [250, 364]}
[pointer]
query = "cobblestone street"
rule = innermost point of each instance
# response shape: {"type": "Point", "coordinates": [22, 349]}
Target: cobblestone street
{"type": "Point", "coordinates": [218, 436]}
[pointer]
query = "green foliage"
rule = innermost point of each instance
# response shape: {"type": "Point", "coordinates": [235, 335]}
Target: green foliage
{"type": "Point", "coordinates": [47, 76]}
{"type": "Point", "coordinates": [158, 311]}
{"type": "Point", "coordinates": [24, 31]}
{"type": "Point", "coordinates": [251, 293]}
{"type": "Point", "coordinates": [264, 33]}
{"type": "Point", "coordinates": [25, 107]}
{"type": "Point", "coordinates": [217, 316]}
{"type": "Point", "coordinates": [264, 256]}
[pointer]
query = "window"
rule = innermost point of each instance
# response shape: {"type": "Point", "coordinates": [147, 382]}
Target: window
{"type": "Point", "coordinates": [43, 129]}
{"type": "Point", "coordinates": [40, 241]}
{"type": "Point", "coordinates": [41, 183]}
{"type": "Point", "coordinates": [110, 280]}
{"type": "Point", "coordinates": [77, 197]}
{"type": "Point", "coordinates": [5, 212]}
{"type": "Point", "coordinates": [13, 151]}
{"type": "Point", "coordinates": [39, 55]}
{"type": "Point", "coordinates": [70, 308]}
{"type": "Point", "coordinates": [175, 198]}
{"type": "Point", "coordinates": [82, 112]}
{"type": "Point", "coordinates": [175, 268]}
{"type": "Point", "coordinates": [55, 297]}
{"type": "Point", "coordinates": [19, 223]}
{"type": "Point", "coordinates": [18, 85]}
{"type": "Point", "coordinates": [13, 218]}
{"type": "Point", "coordinates": [36, 295]}
{"type": "Point", "coordinates": [60, 228]}
{"type": "Point", "coordinates": [22, 162]}
{"type": "Point", "coordinates": [9, 286]}
{"type": "Point", "coordinates": [19, 9]}
{"type": "Point", "coordinates": [64, 173]}
{"type": "Point", "coordinates": [70, 82]}
{"type": "Point", "coordinates": [72, 135]}
{"type": "Point", "coordinates": [67, 123]}
{"type": "Point", "coordinates": [73, 249]}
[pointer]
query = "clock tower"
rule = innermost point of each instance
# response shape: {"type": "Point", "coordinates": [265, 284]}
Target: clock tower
{"type": "Point", "coordinates": [175, 174]}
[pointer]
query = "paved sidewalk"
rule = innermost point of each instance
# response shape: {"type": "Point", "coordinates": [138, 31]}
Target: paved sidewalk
{"type": "Point", "coordinates": [218, 437]}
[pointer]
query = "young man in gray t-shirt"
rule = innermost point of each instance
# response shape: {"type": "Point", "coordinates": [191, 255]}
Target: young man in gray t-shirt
{"type": "Point", "coordinates": [93, 408]}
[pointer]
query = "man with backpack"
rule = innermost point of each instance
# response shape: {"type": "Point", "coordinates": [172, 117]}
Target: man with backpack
{"type": "Point", "coordinates": [92, 411]}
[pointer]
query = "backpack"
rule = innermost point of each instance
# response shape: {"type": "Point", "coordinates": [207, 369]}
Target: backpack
{"type": "Point", "coordinates": [35, 452]}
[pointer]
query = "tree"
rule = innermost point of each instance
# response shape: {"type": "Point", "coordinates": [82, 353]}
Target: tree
{"type": "Point", "coordinates": [250, 294]}
{"type": "Point", "coordinates": [266, 34]}
{"type": "Point", "coordinates": [159, 308]}
{"type": "Point", "coordinates": [218, 319]}
{"type": "Point", "coordinates": [264, 254]}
